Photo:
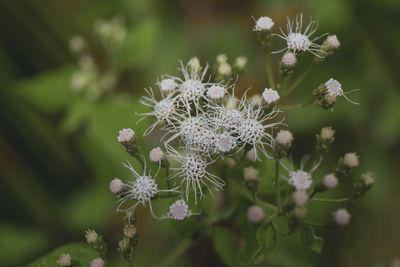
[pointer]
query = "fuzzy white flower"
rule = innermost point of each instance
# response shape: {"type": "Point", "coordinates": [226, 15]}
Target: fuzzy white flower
{"type": "Point", "coordinates": [270, 96]}
{"type": "Point", "coordinates": [142, 190]}
{"type": "Point", "coordinates": [342, 217]}
{"type": "Point", "coordinates": [64, 260]}
{"type": "Point", "coordinates": [224, 69]}
{"type": "Point", "coordinates": [216, 92]}
{"type": "Point", "coordinates": [116, 186]}
{"type": "Point", "coordinates": [221, 58]}
{"type": "Point", "coordinates": [332, 42]}
{"type": "Point", "coordinates": [298, 40]}
{"type": "Point", "coordinates": [91, 236]}
{"type": "Point", "coordinates": [126, 136]}
{"type": "Point", "coordinates": [334, 87]}
{"type": "Point", "coordinates": [225, 143]}
{"type": "Point", "coordinates": [327, 133]}
{"type": "Point", "coordinates": [351, 160]}
{"type": "Point", "coordinates": [98, 262]}
{"type": "Point", "coordinates": [167, 85]}
{"type": "Point", "coordinates": [284, 137]}
{"type": "Point", "coordinates": [289, 59]}
{"type": "Point", "coordinates": [255, 214]}
{"type": "Point", "coordinates": [300, 179]}
{"type": "Point", "coordinates": [263, 23]}
{"type": "Point", "coordinates": [330, 181]}
{"type": "Point", "coordinates": [250, 173]}
{"type": "Point", "coordinates": [300, 197]}
{"type": "Point", "coordinates": [179, 210]}
{"type": "Point", "coordinates": [193, 173]}
{"type": "Point", "coordinates": [156, 154]}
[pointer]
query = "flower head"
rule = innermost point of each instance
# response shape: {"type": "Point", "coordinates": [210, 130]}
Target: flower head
{"type": "Point", "coordinates": [301, 180]}
{"type": "Point", "coordinates": [250, 174]}
{"type": "Point", "coordinates": [98, 262]}
{"type": "Point", "coordinates": [289, 59]}
{"type": "Point", "coordinates": [341, 217]}
{"type": "Point", "coordinates": [330, 181]}
{"type": "Point", "coordinates": [126, 136]}
{"type": "Point", "coordinates": [216, 92]}
{"type": "Point", "coordinates": [332, 42]}
{"type": "Point", "coordinates": [263, 23]}
{"type": "Point", "coordinates": [156, 155]}
{"type": "Point", "coordinates": [64, 260]}
{"type": "Point", "coordinates": [167, 86]}
{"type": "Point", "coordinates": [270, 96]}
{"type": "Point", "coordinates": [179, 210]}
{"type": "Point", "coordinates": [334, 87]}
{"type": "Point", "coordinates": [116, 186]}
{"type": "Point", "coordinates": [255, 214]}
{"type": "Point", "coordinates": [91, 236]}
{"type": "Point", "coordinates": [351, 160]}
{"type": "Point", "coordinates": [284, 137]}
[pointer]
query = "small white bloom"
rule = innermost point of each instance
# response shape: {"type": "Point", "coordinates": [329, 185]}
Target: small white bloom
{"type": "Point", "coordinates": [301, 180]}
{"type": "Point", "coordinates": [332, 42]}
{"type": "Point", "coordinates": [126, 136]}
{"type": "Point", "coordinates": [327, 133]}
{"type": "Point", "coordinates": [300, 197]}
{"type": "Point", "coordinates": [263, 24]}
{"type": "Point", "coordinates": [289, 59]}
{"type": "Point", "coordinates": [216, 92]}
{"type": "Point", "coordinates": [91, 236]}
{"type": "Point", "coordinates": [179, 210]}
{"type": "Point", "coordinates": [116, 186]}
{"type": "Point", "coordinates": [250, 173]}
{"type": "Point", "coordinates": [222, 58]}
{"type": "Point", "coordinates": [251, 155]}
{"type": "Point", "coordinates": [167, 85]}
{"type": "Point", "coordinates": [368, 178]}
{"type": "Point", "coordinates": [225, 69]}
{"type": "Point", "coordinates": [225, 143]}
{"type": "Point", "coordinates": [64, 260]}
{"type": "Point", "coordinates": [299, 41]}
{"type": "Point", "coordinates": [342, 217]}
{"type": "Point", "coordinates": [98, 262]}
{"type": "Point", "coordinates": [284, 137]}
{"type": "Point", "coordinates": [351, 160]}
{"type": "Point", "coordinates": [334, 87]}
{"type": "Point", "coordinates": [330, 181]}
{"type": "Point", "coordinates": [156, 154]}
{"type": "Point", "coordinates": [270, 96]}
{"type": "Point", "coordinates": [255, 214]}
{"type": "Point", "coordinates": [241, 62]}
{"type": "Point", "coordinates": [130, 231]}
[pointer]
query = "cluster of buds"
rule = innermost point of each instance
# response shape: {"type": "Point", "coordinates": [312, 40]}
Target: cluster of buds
{"type": "Point", "coordinates": [127, 244]}
{"type": "Point", "coordinates": [328, 47]}
{"type": "Point", "coordinates": [364, 184]}
{"type": "Point", "coordinates": [127, 138]}
{"type": "Point", "coordinates": [345, 164]}
{"type": "Point", "coordinates": [325, 139]}
{"type": "Point", "coordinates": [287, 63]}
{"type": "Point", "coordinates": [224, 71]}
{"type": "Point", "coordinates": [263, 27]}
{"type": "Point", "coordinates": [96, 241]}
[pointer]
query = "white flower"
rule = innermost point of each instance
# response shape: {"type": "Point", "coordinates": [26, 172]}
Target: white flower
{"type": "Point", "coordinates": [167, 85]}
{"type": "Point", "coordinates": [116, 186]}
{"type": "Point", "coordinates": [193, 173]}
{"type": "Point", "coordinates": [126, 136]}
{"type": "Point", "coordinates": [289, 59]}
{"type": "Point", "coordinates": [284, 137]}
{"type": "Point", "coordinates": [327, 133]}
{"type": "Point", "coordinates": [351, 160]}
{"type": "Point", "coordinates": [224, 69]}
{"type": "Point", "coordinates": [179, 210]}
{"type": "Point", "coordinates": [156, 154]}
{"type": "Point", "coordinates": [342, 217]}
{"type": "Point", "coordinates": [334, 87]}
{"type": "Point", "coordinates": [188, 129]}
{"type": "Point", "coordinates": [255, 214]}
{"type": "Point", "coordinates": [64, 260]}
{"type": "Point", "coordinates": [163, 110]}
{"type": "Point", "coordinates": [225, 143]}
{"type": "Point", "coordinates": [300, 197]}
{"type": "Point", "coordinates": [142, 190]}
{"type": "Point", "coordinates": [221, 58]}
{"type": "Point", "coordinates": [332, 42]}
{"type": "Point", "coordinates": [91, 236]}
{"type": "Point", "coordinates": [330, 181]}
{"type": "Point", "coordinates": [301, 180]}
{"type": "Point", "coordinates": [270, 96]}
{"type": "Point", "coordinates": [250, 173]}
{"type": "Point", "coordinates": [263, 24]}
{"type": "Point", "coordinates": [240, 62]}
{"type": "Point", "coordinates": [216, 92]}
{"type": "Point", "coordinates": [298, 40]}
{"type": "Point", "coordinates": [98, 262]}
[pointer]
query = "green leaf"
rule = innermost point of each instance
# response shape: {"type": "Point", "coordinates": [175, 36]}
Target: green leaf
{"type": "Point", "coordinates": [79, 250]}
{"type": "Point", "coordinates": [224, 244]}
{"type": "Point", "coordinates": [267, 238]}
{"type": "Point", "coordinates": [308, 239]}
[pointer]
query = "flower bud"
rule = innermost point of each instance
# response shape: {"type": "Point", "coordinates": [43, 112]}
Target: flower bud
{"type": "Point", "coordinates": [325, 95]}
{"type": "Point", "coordinates": [98, 262]}
{"type": "Point", "coordinates": [263, 26]}
{"type": "Point", "coordinates": [255, 214]}
{"type": "Point", "coordinates": [222, 58]}
{"type": "Point", "coordinates": [156, 155]}
{"type": "Point", "coordinates": [283, 141]}
{"type": "Point", "coordinates": [300, 198]}
{"type": "Point", "coordinates": [130, 218]}
{"type": "Point", "coordinates": [250, 175]}
{"type": "Point", "coordinates": [330, 181]}
{"type": "Point", "coordinates": [64, 260]}
{"type": "Point", "coordinates": [130, 231]}
{"type": "Point", "coordinates": [194, 65]}
{"type": "Point", "coordinates": [332, 42]}
{"type": "Point", "coordinates": [346, 164]}
{"type": "Point", "coordinates": [225, 69]}
{"type": "Point", "coordinates": [116, 186]}
{"type": "Point", "coordinates": [365, 183]}
{"type": "Point", "coordinates": [96, 241]}
{"type": "Point", "coordinates": [341, 217]}
{"type": "Point", "coordinates": [126, 136]}
{"type": "Point", "coordinates": [126, 248]}
{"type": "Point", "coordinates": [91, 236]}
{"type": "Point", "coordinates": [240, 64]}
{"type": "Point", "coordinates": [230, 162]}
{"type": "Point", "coordinates": [325, 140]}
{"type": "Point", "coordinates": [287, 63]}
{"type": "Point", "coordinates": [251, 155]}
{"type": "Point", "coordinates": [270, 96]}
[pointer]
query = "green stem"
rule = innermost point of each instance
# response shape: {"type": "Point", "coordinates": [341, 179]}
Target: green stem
{"type": "Point", "coordinates": [277, 189]}
{"type": "Point", "coordinates": [166, 177]}
{"type": "Point", "coordinates": [269, 71]}
{"type": "Point", "coordinates": [298, 80]}
{"type": "Point", "coordinates": [176, 253]}
{"type": "Point", "coordinates": [332, 200]}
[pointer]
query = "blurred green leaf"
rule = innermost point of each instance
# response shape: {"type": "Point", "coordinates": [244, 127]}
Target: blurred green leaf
{"type": "Point", "coordinates": [308, 239]}
{"type": "Point", "coordinates": [267, 239]}
{"type": "Point", "coordinates": [224, 244]}
{"type": "Point", "coordinates": [80, 251]}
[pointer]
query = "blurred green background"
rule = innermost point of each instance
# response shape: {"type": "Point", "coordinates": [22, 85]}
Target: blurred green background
{"type": "Point", "coordinates": [58, 150]}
